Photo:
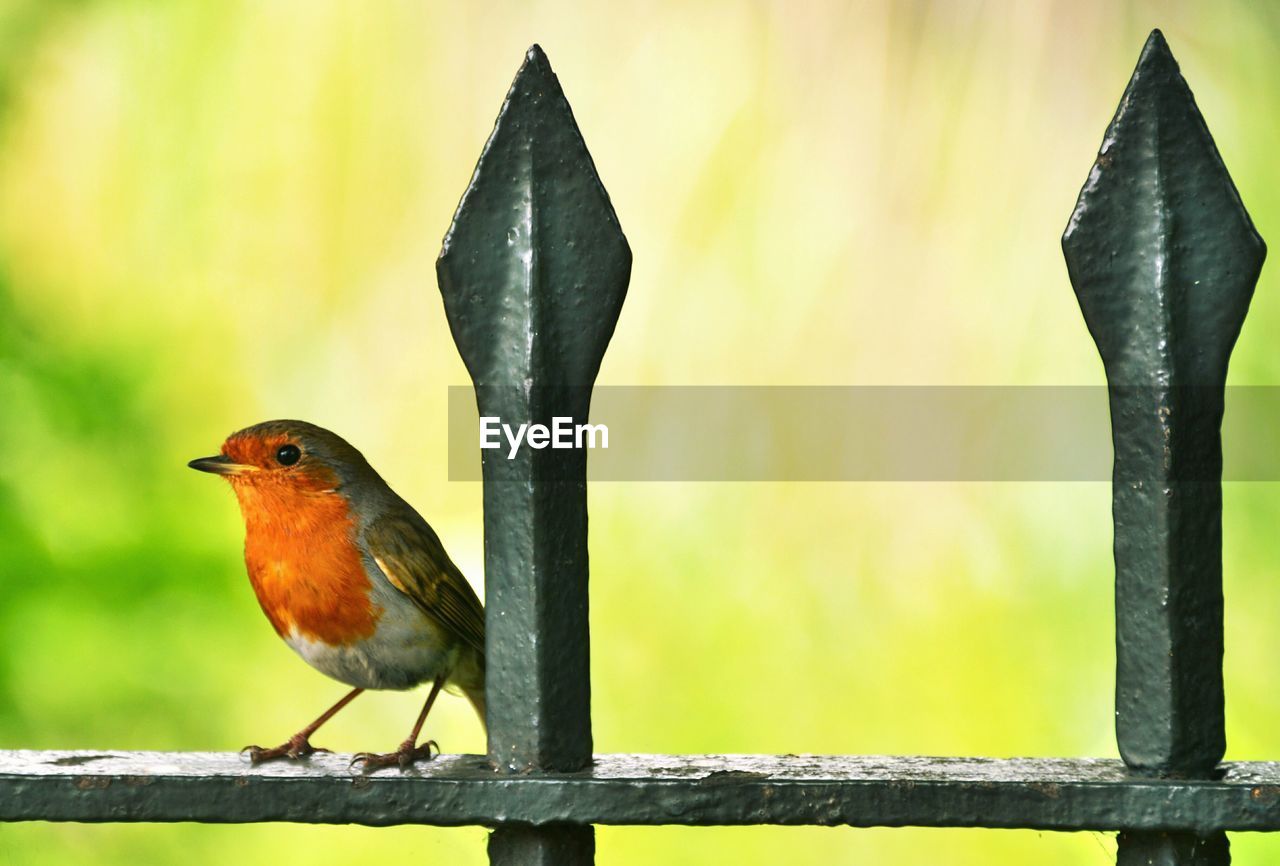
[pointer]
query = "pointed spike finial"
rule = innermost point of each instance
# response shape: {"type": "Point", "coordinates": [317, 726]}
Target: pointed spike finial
{"type": "Point", "coordinates": [533, 272]}
{"type": "Point", "coordinates": [1159, 240]}
{"type": "Point", "coordinates": [1155, 55]}
{"type": "Point", "coordinates": [1163, 259]}
{"type": "Point", "coordinates": [535, 267]}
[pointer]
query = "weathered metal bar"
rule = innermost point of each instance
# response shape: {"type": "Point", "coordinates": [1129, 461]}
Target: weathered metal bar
{"type": "Point", "coordinates": [533, 272]}
{"type": "Point", "coordinates": [1172, 849]}
{"type": "Point", "coordinates": [538, 846]}
{"type": "Point", "coordinates": [1043, 794]}
{"type": "Point", "coordinates": [1164, 258]}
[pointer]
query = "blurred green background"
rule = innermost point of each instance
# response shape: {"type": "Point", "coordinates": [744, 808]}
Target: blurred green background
{"type": "Point", "coordinates": [217, 213]}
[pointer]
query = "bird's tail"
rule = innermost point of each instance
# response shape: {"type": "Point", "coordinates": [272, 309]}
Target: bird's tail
{"type": "Point", "coordinates": [476, 696]}
{"type": "Point", "coordinates": [468, 678]}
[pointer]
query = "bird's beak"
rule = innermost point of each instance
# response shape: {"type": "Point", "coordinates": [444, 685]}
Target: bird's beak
{"type": "Point", "coordinates": [221, 465]}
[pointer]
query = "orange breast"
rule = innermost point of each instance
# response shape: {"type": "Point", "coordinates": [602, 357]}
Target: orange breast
{"type": "Point", "coordinates": [304, 565]}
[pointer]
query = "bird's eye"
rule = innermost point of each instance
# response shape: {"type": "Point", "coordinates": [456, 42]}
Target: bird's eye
{"type": "Point", "coordinates": [287, 455]}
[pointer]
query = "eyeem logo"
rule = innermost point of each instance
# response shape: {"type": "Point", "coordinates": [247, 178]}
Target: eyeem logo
{"type": "Point", "coordinates": [562, 433]}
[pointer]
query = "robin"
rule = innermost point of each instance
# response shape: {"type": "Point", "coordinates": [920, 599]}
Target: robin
{"type": "Point", "coordinates": [350, 576]}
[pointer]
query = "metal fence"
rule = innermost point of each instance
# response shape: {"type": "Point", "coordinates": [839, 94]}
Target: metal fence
{"type": "Point", "coordinates": [534, 270]}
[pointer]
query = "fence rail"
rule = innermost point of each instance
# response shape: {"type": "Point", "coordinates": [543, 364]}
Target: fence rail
{"type": "Point", "coordinates": [1163, 259]}
{"type": "Point", "coordinates": [698, 790]}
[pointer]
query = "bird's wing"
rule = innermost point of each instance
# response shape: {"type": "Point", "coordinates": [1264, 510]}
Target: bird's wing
{"type": "Point", "coordinates": [411, 556]}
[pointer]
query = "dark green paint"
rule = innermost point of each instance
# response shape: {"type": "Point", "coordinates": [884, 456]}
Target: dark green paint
{"type": "Point", "coordinates": [543, 846]}
{"type": "Point", "coordinates": [688, 790]}
{"type": "Point", "coordinates": [534, 271]}
{"type": "Point", "coordinates": [1172, 849]}
{"type": "Point", "coordinates": [1163, 259]}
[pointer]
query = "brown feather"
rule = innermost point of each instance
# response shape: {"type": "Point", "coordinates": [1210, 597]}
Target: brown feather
{"type": "Point", "coordinates": [411, 556]}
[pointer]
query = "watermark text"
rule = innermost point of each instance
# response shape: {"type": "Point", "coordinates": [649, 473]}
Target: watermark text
{"type": "Point", "coordinates": [562, 433]}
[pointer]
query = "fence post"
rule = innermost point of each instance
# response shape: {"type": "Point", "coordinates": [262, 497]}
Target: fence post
{"type": "Point", "coordinates": [533, 272]}
{"type": "Point", "coordinates": [1163, 259]}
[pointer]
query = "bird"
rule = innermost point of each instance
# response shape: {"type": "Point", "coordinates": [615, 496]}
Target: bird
{"type": "Point", "coordinates": [351, 577]}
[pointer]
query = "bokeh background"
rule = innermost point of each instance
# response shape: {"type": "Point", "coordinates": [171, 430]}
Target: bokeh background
{"type": "Point", "coordinates": [216, 213]}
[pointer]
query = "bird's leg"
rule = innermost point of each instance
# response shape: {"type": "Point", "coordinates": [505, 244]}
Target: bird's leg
{"type": "Point", "coordinates": [409, 750]}
{"type": "Point", "coordinates": [299, 745]}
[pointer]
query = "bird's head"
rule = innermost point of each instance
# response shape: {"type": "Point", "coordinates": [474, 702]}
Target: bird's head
{"type": "Point", "coordinates": [280, 460]}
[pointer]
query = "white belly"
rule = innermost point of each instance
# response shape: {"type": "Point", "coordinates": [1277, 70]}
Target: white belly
{"type": "Point", "coordinates": [407, 648]}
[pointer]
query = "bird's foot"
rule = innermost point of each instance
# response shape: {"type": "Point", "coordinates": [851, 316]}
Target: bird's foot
{"type": "Point", "coordinates": [297, 748]}
{"type": "Point", "coordinates": [406, 756]}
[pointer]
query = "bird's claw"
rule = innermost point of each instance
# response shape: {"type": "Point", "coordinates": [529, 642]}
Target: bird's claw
{"type": "Point", "coordinates": [406, 756]}
{"type": "Point", "coordinates": [295, 749]}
